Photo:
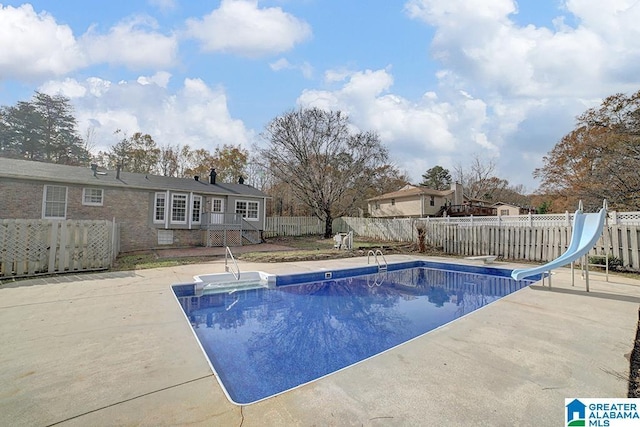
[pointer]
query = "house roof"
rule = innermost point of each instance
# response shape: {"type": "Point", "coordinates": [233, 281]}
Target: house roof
{"type": "Point", "coordinates": [412, 190]}
{"type": "Point", "coordinates": [51, 172]}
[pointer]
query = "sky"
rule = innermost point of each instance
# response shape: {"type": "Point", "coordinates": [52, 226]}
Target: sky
{"type": "Point", "coordinates": [441, 81]}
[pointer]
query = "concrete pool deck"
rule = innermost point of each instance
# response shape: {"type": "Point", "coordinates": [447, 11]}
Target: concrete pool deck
{"type": "Point", "coordinates": [115, 349]}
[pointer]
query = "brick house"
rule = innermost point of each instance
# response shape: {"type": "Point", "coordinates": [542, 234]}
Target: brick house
{"type": "Point", "coordinates": [151, 211]}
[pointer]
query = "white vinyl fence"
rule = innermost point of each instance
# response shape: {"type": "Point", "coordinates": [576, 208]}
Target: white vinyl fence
{"type": "Point", "coordinates": [539, 238]}
{"type": "Point", "coordinates": [544, 241]}
{"type": "Point", "coordinates": [31, 247]}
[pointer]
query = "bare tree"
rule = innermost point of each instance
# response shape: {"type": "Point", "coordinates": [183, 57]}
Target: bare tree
{"type": "Point", "coordinates": [327, 165]}
{"type": "Point", "coordinates": [478, 178]}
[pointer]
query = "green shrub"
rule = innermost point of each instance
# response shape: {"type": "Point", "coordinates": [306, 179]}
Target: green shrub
{"type": "Point", "coordinates": [614, 262]}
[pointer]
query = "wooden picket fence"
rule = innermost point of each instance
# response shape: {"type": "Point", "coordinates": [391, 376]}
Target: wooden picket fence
{"type": "Point", "coordinates": [32, 247]}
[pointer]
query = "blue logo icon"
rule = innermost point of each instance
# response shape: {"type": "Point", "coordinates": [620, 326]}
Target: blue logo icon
{"type": "Point", "coordinates": [576, 413]}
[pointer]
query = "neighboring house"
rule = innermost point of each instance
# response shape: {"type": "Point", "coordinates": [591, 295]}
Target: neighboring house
{"type": "Point", "coordinates": [151, 210]}
{"type": "Point", "coordinates": [506, 209]}
{"type": "Point", "coordinates": [418, 202]}
{"type": "Point", "coordinates": [415, 201]}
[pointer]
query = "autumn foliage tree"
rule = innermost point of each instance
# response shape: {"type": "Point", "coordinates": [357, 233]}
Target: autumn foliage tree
{"type": "Point", "coordinates": [600, 158]}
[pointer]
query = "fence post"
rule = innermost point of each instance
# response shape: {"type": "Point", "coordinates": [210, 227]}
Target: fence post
{"type": "Point", "coordinates": [113, 242]}
{"type": "Point", "coordinates": [566, 214]}
{"type": "Point", "coordinates": [530, 220]}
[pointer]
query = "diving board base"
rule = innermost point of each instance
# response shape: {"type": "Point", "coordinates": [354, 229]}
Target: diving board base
{"type": "Point", "coordinates": [487, 259]}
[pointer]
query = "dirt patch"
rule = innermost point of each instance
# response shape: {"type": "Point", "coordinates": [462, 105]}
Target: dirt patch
{"type": "Point", "coordinates": [312, 248]}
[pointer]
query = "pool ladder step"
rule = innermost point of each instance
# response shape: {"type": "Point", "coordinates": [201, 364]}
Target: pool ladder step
{"type": "Point", "coordinates": [375, 254]}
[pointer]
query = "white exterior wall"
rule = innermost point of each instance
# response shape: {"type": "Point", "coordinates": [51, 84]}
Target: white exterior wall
{"type": "Point", "coordinates": [418, 206]}
{"type": "Point", "coordinates": [512, 210]}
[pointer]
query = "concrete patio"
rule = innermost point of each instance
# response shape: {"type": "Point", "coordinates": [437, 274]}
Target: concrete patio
{"type": "Point", "coordinates": [115, 349]}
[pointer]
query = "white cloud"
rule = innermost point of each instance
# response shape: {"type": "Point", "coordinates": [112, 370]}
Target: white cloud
{"type": "Point", "coordinates": [161, 78]}
{"type": "Point", "coordinates": [283, 64]}
{"type": "Point", "coordinates": [33, 45]}
{"type": "Point", "coordinates": [133, 43]}
{"type": "Point", "coordinates": [194, 115]}
{"type": "Point", "coordinates": [165, 6]}
{"type": "Point", "coordinates": [241, 27]}
{"type": "Point", "coordinates": [479, 42]}
{"type": "Point", "coordinates": [67, 87]}
{"type": "Point", "coordinates": [418, 134]}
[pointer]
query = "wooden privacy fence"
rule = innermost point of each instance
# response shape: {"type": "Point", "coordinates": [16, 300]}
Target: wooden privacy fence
{"type": "Point", "coordinates": [30, 247]}
{"type": "Point", "coordinates": [292, 226]}
{"type": "Point", "coordinates": [399, 230]}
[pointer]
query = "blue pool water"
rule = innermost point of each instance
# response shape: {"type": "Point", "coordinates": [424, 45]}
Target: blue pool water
{"type": "Point", "coordinates": [265, 341]}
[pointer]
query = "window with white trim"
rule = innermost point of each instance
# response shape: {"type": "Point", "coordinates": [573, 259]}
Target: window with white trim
{"type": "Point", "coordinates": [504, 212]}
{"type": "Point", "coordinates": [92, 196]}
{"type": "Point", "coordinates": [248, 210]}
{"type": "Point", "coordinates": [196, 208]}
{"type": "Point", "coordinates": [179, 208]}
{"type": "Point", "coordinates": [54, 202]}
{"type": "Point", "coordinates": [216, 205]}
{"type": "Point", "coordinates": [159, 208]}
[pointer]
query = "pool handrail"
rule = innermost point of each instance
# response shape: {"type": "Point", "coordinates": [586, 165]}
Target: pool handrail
{"type": "Point", "coordinates": [375, 257]}
{"type": "Point", "coordinates": [227, 268]}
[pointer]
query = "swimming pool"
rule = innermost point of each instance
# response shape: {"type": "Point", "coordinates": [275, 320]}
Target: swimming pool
{"type": "Point", "coordinates": [262, 341]}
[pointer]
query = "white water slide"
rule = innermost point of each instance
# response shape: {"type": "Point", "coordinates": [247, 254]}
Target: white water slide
{"type": "Point", "coordinates": [587, 229]}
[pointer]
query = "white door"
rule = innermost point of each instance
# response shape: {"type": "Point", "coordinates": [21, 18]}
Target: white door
{"type": "Point", "coordinates": [217, 211]}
